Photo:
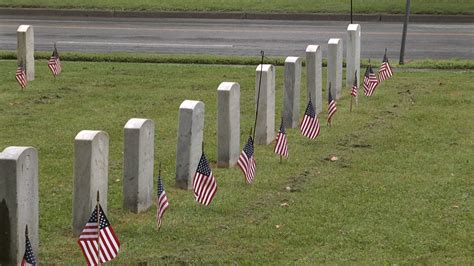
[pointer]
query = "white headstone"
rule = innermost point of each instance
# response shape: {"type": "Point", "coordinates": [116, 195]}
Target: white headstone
{"type": "Point", "coordinates": [25, 50]}
{"type": "Point", "coordinates": [353, 55]}
{"type": "Point", "coordinates": [18, 202]}
{"type": "Point", "coordinates": [335, 67]}
{"type": "Point", "coordinates": [228, 124]}
{"type": "Point", "coordinates": [138, 161]}
{"type": "Point", "coordinates": [291, 96]}
{"type": "Point", "coordinates": [265, 130]}
{"type": "Point", "coordinates": [91, 172]}
{"type": "Point", "coordinates": [190, 137]}
{"type": "Point", "coordinates": [314, 79]}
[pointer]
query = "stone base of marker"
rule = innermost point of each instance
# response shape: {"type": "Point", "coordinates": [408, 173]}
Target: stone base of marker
{"type": "Point", "coordinates": [189, 145]}
{"type": "Point", "coordinates": [335, 67]}
{"type": "Point", "coordinates": [314, 80]}
{"type": "Point", "coordinates": [265, 129]}
{"type": "Point", "coordinates": [91, 171]}
{"type": "Point", "coordinates": [228, 124]}
{"type": "Point", "coordinates": [138, 162]}
{"type": "Point", "coordinates": [18, 202]}
{"type": "Point", "coordinates": [25, 50]}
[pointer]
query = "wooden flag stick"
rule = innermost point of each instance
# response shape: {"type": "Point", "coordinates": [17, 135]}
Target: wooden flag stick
{"type": "Point", "coordinates": [351, 103]}
{"type": "Point", "coordinates": [98, 229]}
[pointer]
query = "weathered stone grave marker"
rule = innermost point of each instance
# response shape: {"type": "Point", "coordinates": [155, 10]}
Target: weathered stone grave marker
{"type": "Point", "coordinates": [91, 171]}
{"type": "Point", "coordinates": [228, 124]}
{"type": "Point", "coordinates": [291, 95]}
{"type": "Point", "coordinates": [18, 202]}
{"type": "Point", "coordinates": [25, 50]}
{"type": "Point", "coordinates": [335, 67]}
{"type": "Point", "coordinates": [265, 129]}
{"type": "Point", "coordinates": [138, 161]}
{"type": "Point", "coordinates": [314, 79]}
{"type": "Point", "coordinates": [353, 55]}
{"type": "Point", "coordinates": [190, 137]}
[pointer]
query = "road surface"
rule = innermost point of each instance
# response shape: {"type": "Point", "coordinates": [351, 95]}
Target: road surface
{"type": "Point", "coordinates": [236, 37]}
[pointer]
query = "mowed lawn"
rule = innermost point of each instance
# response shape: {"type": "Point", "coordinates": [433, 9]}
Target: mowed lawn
{"type": "Point", "coordinates": [401, 191]}
{"type": "Point", "coordinates": [338, 6]}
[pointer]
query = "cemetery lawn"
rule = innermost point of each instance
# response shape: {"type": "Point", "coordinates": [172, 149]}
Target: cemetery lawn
{"type": "Point", "coordinates": [334, 6]}
{"type": "Point", "coordinates": [400, 192]}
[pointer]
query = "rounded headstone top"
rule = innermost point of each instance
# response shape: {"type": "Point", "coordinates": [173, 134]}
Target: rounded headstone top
{"type": "Point", "coordinates": [24, 28]}
{"type": "Point", "coordinates": [15, 152]}
{"type": "Point", "coordinates": [334, 41]}
{"type": "Point", "coordinates": [264, 67]}
{"type": "Point", "coordinates": [353, 27]}
{"type": "Point", "coordinates": [90, 134]}
{"type": "Point", "coordinates": [189, 104]}
{"type": "Point", "coordinates": [137, 122]}
{"type": "Point", "coordinates": [292, 59]}
{"type": "Point", "coordinates": [227, 86]}
{"type": "Point", "coordinates": [312, 48]}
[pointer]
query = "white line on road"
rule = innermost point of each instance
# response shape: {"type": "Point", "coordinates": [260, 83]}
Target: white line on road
{"type": "Point", "coordinates": [149, 44]}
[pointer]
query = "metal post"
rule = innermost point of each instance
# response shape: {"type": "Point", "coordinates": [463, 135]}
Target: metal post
{"type": "Point", "coordinates": [404, 34]}
{"type": "Point", "coordinates": [351, 11]}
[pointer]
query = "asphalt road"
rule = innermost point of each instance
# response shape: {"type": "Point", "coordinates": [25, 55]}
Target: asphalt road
{"type": "Point", "coordinates": [236, 37]}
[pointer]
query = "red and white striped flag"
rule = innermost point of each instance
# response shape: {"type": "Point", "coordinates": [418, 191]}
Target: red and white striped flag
{"type": "Point", "coordinates": [310, 124]}
{"type": "Point", "coordinates": [247, 161]}
{"type": "Point", "coordinates": [21, 76]}
{"type": "Point", "coordinates": [281, 146]}
{"type": "Point", "coordinates": [92, 238]}
{"type": "Point", "coordinates": [204, 183]}
{"type": "Point", "coordinates": [162, 203]}
{"type": "Point", "coordinates": [385, 71]}
{"type": "Point", "coordinates": [28, 257]}
{"type": "Point", "coordinates": [370, 81]}
{"type": "Point", "coordinates": [331, 106]}
{"type": "Point", "coordinates": [354, 89]}
{"type": "Point", "coordinates": [54, 64]}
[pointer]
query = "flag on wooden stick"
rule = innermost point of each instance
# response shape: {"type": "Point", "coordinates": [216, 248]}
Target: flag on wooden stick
{"type": "Point", "coordinates": [370, 81]}
{"type": "Point", "coordinates": [281, 146]}
{"type": "Point", "coordinates": [28, 257]}
{"type": "Point", "coordinates": [21, 76]}
{"type": "Point", "coordinates": [204, 183]}
{"type": "Point", "coordinates": [385, 71]}
{"type": "Point", "coordinates": [331, 106]}
{"type": "Point", "coordinates": [162, 203]}
{"type": "Point", "coordinates": [98, 239]}
{"type": "Point", "coordinates": [310, 124]}
{"type": "Point", "coordinates": [247, 161]}
{"type": "Point", "coordinates": [354, 89]}
{"type": "Point", "coordinates": [54, 64]}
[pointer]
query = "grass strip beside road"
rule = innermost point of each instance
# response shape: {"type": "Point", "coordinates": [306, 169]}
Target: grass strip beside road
{"type": "Point", "coordinates": [309, 6]}
{"type": "Point", "coordinates": [226, 59]}
{"type": "Point", "coordinates": [401, 191]}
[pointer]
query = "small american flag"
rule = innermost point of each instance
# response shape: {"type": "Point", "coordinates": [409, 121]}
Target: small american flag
{"type": "Point", "coordinates": [161, 202]}
{"type": "Point", "coordinates": [247, 161]}
{"type": "Point", "coordinates": [354, 89]}
{"type": "Point", "coordinates": [28, 257]}
{"type": "Point", "coordinates": [54, 64]}
{"type": "Point", "coordinates": [281, 146]}
{"type": "Point", "coordinates": [21, 76]}
{"type": "Point", "coordinates": [331, 106]}
{"type": "Point", "coordinates": [204, 183]}
{"type": "Point", "coordinates": [385, 71]}
{"type": "Point", "coordinates": [91, 238]}
{"type": "Point", "coordinates": [370, 81]}
{"type": "Point", "coordinates": [310, 125]}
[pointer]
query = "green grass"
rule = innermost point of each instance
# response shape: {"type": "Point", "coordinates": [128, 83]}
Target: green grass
{"type": "Point", "coordinates": [125, 57]}
{"type": "Point", "coordinates": [401, 192]}
{"type": "Point", "coordinates": [336, 6]}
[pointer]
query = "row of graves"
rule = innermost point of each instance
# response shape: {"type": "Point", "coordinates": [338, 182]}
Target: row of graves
{"type": "Point", "coordinates": [99, 243]}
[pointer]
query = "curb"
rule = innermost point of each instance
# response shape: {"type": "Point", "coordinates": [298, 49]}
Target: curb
{"type": "Point", "coordinates": [415, 18]}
